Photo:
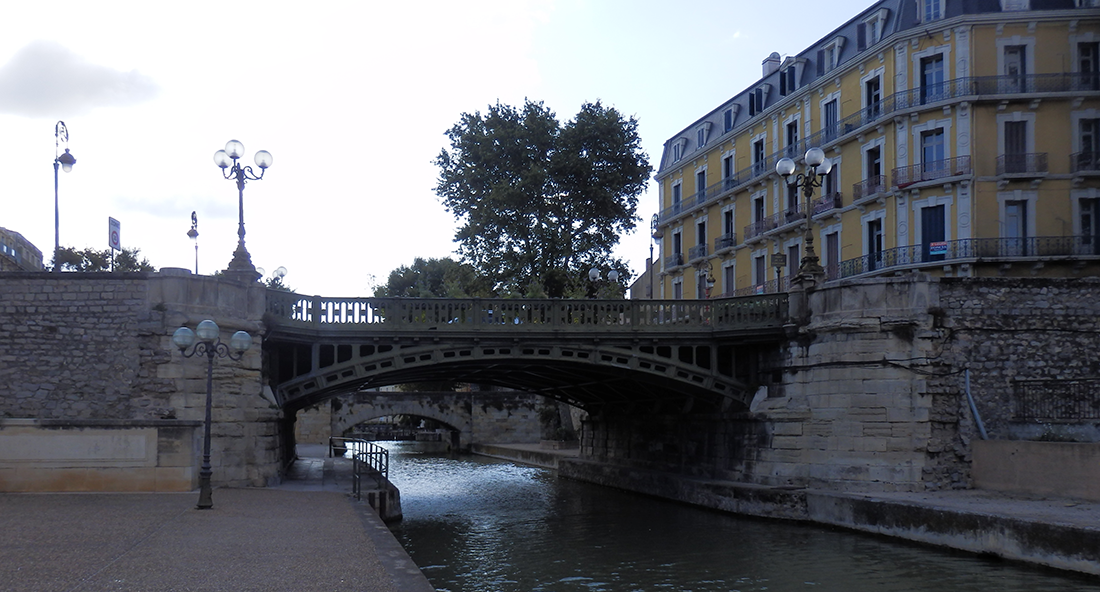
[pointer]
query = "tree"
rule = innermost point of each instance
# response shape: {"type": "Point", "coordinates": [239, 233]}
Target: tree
{"type": "Point", "coordinates": [539, 201]}
{"type": "Point", "coordinates": [435, 278]}
{"type": "Point", "coordinates": [70, 259]}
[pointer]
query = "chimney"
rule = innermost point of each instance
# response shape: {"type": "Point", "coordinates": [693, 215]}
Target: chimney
{"type": "Point", "coordinates": [771, 63]}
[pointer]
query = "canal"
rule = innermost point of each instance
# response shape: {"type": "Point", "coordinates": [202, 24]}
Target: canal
{"type": "Point", "coordinates": [475, 524]}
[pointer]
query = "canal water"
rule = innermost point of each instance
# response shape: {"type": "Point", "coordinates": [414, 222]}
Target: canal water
{"type": "Point", "coordinates": [475, 524]}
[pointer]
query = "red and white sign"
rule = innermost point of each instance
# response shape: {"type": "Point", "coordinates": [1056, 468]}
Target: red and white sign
{"type": "Point", "coordinates": [113, 230]}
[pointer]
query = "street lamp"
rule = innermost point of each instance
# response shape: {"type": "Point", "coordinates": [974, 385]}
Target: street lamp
{"type": "Point", "coordinates": [193, 234]}
{"type": "Point", "coordinates": [817, 167]}
{"type": "Point", "coordinates": [66, 161]}
{"type": "Point", "coordinates": [231, 169]}
{"type": "Point", "coordinates": [657, 234]}
{"type": "Point", "coordinates": [210, 345]}
{"type": "Point", "coordinates": [594, 279]}
{"type": "Point", "coordinates": [706, 270]}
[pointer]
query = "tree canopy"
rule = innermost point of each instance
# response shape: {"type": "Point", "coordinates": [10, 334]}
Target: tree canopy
{"type": "Point", "coordinates": [71, 259]}
{"type": "Point", "coordinates": [435, 278]}
{"type": "Point", "coordinates": [540, 202]}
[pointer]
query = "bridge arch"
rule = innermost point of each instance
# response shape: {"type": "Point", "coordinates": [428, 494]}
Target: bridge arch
{"type": "Point", "coordinates": [382, 404]}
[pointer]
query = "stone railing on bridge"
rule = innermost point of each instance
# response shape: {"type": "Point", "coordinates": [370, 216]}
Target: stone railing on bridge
{"type": "Point", "coordinates": [748, 314]}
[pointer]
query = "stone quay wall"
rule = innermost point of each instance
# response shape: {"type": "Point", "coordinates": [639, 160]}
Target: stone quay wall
{"type": "Point", "coordinates": [97, 346]}
{"type": "Point", "coordinates": [869, 393]}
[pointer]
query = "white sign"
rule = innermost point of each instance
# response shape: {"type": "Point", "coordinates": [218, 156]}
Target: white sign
{"type": "Point", "coordinates": [113, 229]}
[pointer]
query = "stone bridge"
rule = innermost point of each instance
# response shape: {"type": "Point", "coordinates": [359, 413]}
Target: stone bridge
{"type": "Point", "coordinates": [672, 355]}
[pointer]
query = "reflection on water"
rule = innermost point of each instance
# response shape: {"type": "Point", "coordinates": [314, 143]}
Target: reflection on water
{"type": "Point", "coordinates": [478, 525]}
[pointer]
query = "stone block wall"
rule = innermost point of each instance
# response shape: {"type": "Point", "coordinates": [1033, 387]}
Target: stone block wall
{"type": "Point", "coordinates": [97, 346]}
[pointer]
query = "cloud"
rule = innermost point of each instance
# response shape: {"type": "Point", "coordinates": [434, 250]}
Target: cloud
{"type": "Point", "coordinates": [45, 79]}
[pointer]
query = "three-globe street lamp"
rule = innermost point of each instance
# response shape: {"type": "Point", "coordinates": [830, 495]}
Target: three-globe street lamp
{"type": "Point", "coordinates": [594, 280]}
{"type": "Point", "coordinates": [231, 169]}
{"type": "Point", "coordinates": [817, 167]}
{"type": "Point", "coordinates": [210, 345]}
{"type": "Point", "coordinates": [66, 162]}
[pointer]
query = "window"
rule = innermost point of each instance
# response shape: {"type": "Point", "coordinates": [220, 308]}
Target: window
{"type": "Point", "coordinates": [1014, 233]}
{"type": "Point", "coordinates": [701, 136]}
{"type": "Point", "coordinates": [758, 208]}
{"type": "Point", "coordinates": [727, 223]}
{"type": "Point", "coordinates": [728, 171]}
{"type": "Point", "coordinates": [758, 164]}
{"type": "Point", "coordinates": [933, 232]}
{"type": "Point", "coordinates": [677, 248]}
{"type": "Point", "coordinates": [1090, 138]}
{"type": "Point", "coordinates": [678, 149]}
{"type": "Point", "coordinates": [792, 139]}
{"type": "Point", "coordinates": [701, 235]}
{"type": "Point", "coordinates": [874, 162]}
{"type": "Point", "coordinates": [828, 57]}
{"type": "Point", "coordinates": [871, 29]}
{"type": "Point", "coordinates": [792, 200]}
{"type": "Point", "coordinates": [788, 82]}
{"type": "Point", "coordinates": [1015, 61]}
{"type": "Point", "coordinates": [727, 120]}
{"type": "Point", "coordinates": [931, 79]}
{"type": "Point", "coordinates": [933, 155]}
{"type": "Point", "coordinates": [872, 96]}
{"type": "Point", "coordinates": [874, 244]}
{"type": "Point", "coordinates": [931, 10]}
{"type": "Point", "coordinates": [832, 255]}
{"type": "Point", "coordinates": [701, 186]}
{"type": "Point", "coordinates": [729, 279]}
{"type": "Point", "coordinates": [756, 101]}
{"type": "Point", "coordinates": [1089, 219]}
{"type": "Point", "coordinates": [793, 259]}
{"type": "Point", "coordinates": [759, 272]}
{"type": "Point", "coordinates": [677, 196]}
{"type": "Point", "coordinates": [831, 117]}
{"type": "Point", "coordinates": [1087, 58]}
{"type": "Point", "coordinates": [678, 289]}
{"type": "Point", "coordinates": [1015, 156]}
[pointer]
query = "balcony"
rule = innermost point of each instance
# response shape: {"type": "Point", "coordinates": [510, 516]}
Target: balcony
{"type": "Point", "coordinates": [759, 227]}
{"type": "Point", "coordinates": [697, 252]}
{"type": "Point", "coordinates": [674, 260]}
{"type": "Point", "coordinates": [1022, 166]}
{"type": "Point", "coordinates": [931, 171]}
{"type": "Point", "coordinates": [1084, 163]}
{"type": "Point", "coordinates": [1069, 247]}
{"type": "Point", "coordinates": [826, 203]}
{"type": "Point", "coordinates": [725, 241]}
{"type": "Point", "coordinates": [781, 284]}
{"type": "Point", "coordinates": [869, 189]}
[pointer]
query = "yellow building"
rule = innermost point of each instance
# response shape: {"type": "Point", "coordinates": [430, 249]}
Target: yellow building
{"type": "Point", "coordinates": [964, 137]}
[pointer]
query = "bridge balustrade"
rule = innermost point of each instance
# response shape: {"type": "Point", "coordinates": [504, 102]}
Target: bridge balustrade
{"type": "Point", "coordinates": [288, 309]}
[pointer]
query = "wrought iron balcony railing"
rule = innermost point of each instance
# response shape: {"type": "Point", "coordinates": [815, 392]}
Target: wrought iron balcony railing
{"type": "Point", "coordinates": [825, 203]}
{"type": "Point", "coordinates": [759, 227]}
{"type": "Point", "coordinates": [697, 252]}
{"type": "Point", "coordinates": [869, 188]}
{"type": "Point", "coordinates": [725, 241]}
{"type": "Point", "coordinates": [1028, 164]}
{"type": "Point", "coordinates": [1084, 162]}
{"type": "Point", "coordinates": [931, 171]}
{"type": "Point", "coordinates": [674, 260]}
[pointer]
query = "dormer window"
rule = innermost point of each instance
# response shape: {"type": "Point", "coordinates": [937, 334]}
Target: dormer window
{"type": "Point", "coordinates": [828, 57]}
{"type": "Point", "coordinates": [871, 30]}
{"type": "Point", "coordinates": [790, 74]}
{"type": "Point", "coordinates": [930, 10]}
{"type": "Point", "coordinates": [757, 98]}
{"type": "Point", "coordinates": [728, 117]}
{"type": "Point", "coordinates": [701, 135]}
{"type": "Point", "coordinates": [678, 149]}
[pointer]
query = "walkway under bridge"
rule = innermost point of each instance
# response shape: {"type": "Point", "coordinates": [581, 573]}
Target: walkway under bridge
{"type": "Point", "coordinates": [686, 355]}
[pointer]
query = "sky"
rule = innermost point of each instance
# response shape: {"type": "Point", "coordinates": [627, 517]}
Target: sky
{"type": "Point", "coordinates": [352, 99]}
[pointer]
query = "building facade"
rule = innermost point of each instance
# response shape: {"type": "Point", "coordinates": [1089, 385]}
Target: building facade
{"type": "Point", "coordinates": [964, 137]}
{"type": "Point", "coordinates": [17, 253]}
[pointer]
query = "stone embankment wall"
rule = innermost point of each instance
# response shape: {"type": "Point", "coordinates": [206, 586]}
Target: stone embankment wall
{"type": "Point", "coordinates": [869, 393]}
{"type": "Point", "coordinates": [97, 346]}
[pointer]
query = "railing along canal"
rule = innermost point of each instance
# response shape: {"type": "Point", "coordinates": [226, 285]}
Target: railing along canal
{"type": "Point", "coordinates": [767, 311]}
{"type": "Point", "coordinates": [368, 460]}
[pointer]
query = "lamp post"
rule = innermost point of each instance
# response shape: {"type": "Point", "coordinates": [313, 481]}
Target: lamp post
{"type": "Point", "coordinates": [594, 280]}
{"type": "Point", "coordinates": [193, 234]}
{"type": "Point", "coordinates": [657, 234]}
{"type": "Point", "coordinates": [66, 162]}
{"type": "Point", "coordinates": [241, 264]}
{"type": "Point", "coordinates": [210, 345]}
{"type": "Point", "coordinates": [817, 166]}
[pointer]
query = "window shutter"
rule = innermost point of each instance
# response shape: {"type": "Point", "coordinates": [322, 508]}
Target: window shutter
{"type": "Point", "coordinates": [861, 37]}
{"type": "Point", "coordinates": [783, 83]}
{"type": "Point", "coordinates": [820, 62]}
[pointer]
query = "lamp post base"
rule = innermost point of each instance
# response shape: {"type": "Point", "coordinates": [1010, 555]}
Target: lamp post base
{"type": "Point", "coordinates": [206, 499]}
{"type": "Point", "coordinates": [240, 267]}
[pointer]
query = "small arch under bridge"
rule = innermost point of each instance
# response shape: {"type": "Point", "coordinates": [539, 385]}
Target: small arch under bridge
{"type": "Point", "coordinates": [686, 355]}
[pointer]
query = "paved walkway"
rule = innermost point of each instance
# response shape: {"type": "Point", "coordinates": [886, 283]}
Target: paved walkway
{"type": "Point", "coordinates": [306, 535]}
